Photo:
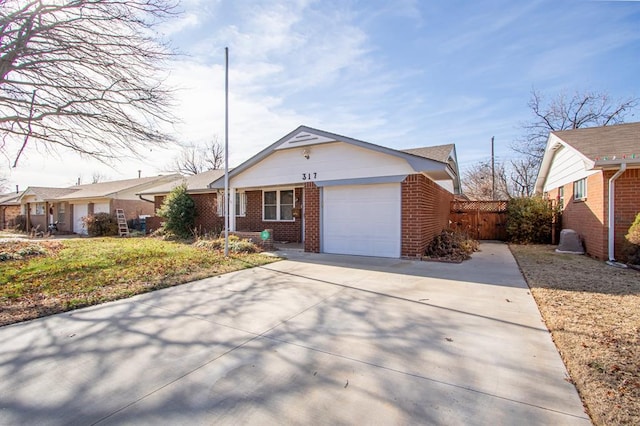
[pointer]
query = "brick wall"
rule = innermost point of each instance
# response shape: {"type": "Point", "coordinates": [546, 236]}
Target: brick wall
{"type": "Point", "coordinates": [425, 212]}
{"type": "Point", "coordinates": [207, 220]}
{"type": "Point", "coordinates": [588, 217]}
{"type": "Point", "coordinates": [282, 231]}
{"type": "Point", "coordinates": [311, 218]}
{"type": "Point", "coordinates": [627, 206]}
{"type": "Point", "coordinates": [8, 216]}
{"type": "Point", "coordinates": [133, 208]}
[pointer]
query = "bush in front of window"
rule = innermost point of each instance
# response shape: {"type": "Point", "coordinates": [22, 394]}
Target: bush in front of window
{"type": "Point", "coordinates": [101, 225]}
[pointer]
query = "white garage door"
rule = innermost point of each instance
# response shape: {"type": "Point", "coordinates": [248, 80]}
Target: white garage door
{"type": "Point", "coordinates": [79, 211]}
{"type": "Point", "coordinates": [101, 208]}
{"type": "Point", "coordinates": [362, 219]}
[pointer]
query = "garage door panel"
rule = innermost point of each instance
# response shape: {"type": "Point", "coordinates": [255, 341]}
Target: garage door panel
{"type": "Point", "coordinates": [79, 211]}
{"type": "Point", "coordinates": [362, 220]}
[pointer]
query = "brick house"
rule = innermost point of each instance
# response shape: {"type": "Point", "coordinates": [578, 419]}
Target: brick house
{"type": "Point", "coordinates": [68, 206]}
{"type": "Point", "coordinates": [209, 218]}
{"type": "Point", "coordinates": [340, 195]}
{"type": "Point", "coordinates": [9, 209]}
{"type": "Point", "coordinates": [594, 173]}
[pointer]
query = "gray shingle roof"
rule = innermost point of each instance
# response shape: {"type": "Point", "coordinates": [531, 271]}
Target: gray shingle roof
{"type": "Point", "coordinates": [439, 152]}
{"type": "Point", "coordinates": [195, 183]}
{"type": "Point", "coordinates": [608, 141]}
{"type": "Point", "coordinates": [106, 189]}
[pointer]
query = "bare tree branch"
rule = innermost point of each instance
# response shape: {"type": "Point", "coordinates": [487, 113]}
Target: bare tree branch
{"type": "Point", "coordinates": [478, 182]}
{"type": "Point", "coordinates": [97, 68]}
{"type": "Point", "coordinates": [196, 159]}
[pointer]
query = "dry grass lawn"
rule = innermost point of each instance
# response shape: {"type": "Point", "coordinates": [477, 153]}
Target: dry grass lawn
{"type": "Point", "coordinates": [593, 313]}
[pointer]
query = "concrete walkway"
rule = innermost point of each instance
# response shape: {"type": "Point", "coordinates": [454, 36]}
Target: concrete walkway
{"type": "Point", "coordinates": [316, 339]}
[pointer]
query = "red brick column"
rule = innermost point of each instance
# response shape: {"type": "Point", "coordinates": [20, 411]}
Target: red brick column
{"type": "Point", "coordinates": [311, 218]}
{"type": "Point", "coordinates": [425, 212]}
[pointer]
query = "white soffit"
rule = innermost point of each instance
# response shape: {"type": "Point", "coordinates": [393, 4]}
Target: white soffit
{"type": "Point", "coordinates": [303, 138]}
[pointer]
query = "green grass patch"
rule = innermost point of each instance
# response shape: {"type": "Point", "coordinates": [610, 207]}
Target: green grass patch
{"type": "Point", "coordinates": [90, 271]}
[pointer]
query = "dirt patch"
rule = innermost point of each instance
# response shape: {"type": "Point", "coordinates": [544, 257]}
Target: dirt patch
{"type": "Point", "coordinates": [593, 313]}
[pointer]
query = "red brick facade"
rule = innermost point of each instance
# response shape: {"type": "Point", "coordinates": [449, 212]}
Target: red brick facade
{"type": "Point", "coordinates": [207, 220]}
{"type": "Point", "coordinates": [290, 231]}
{"type": "Point", "coordinates": [425, 213]}
{"type": "Point", "coordinates": [311, 218]}
{"type": "Point", "coordinates": [590, 217]}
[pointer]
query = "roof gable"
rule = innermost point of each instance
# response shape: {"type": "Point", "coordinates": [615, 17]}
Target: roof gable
{"type": "Point", "coordinates": [307, 136]}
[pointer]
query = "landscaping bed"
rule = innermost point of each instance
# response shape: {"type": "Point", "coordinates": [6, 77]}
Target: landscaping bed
{"type": "Point", "coordinates": [56, 276]}
{"type": "Point", "coordinates": [593, 313]}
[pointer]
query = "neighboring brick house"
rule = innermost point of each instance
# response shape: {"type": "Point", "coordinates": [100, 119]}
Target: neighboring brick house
{"type": "Point", "coordinates": [209, 218]}
{"type": "Point", "coordinates": [68, 206]}
{"type": "Point", "coordinates": [9, 209]}
{"type": "Point", "coordinates": [594, 173]}
{"type": "Point", "coordinates": [342, 195]}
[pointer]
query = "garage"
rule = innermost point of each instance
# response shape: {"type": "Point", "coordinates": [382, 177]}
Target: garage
{"type": "Point", "coordinates": [79, 211]}
{"type": "Point", "coordinates": [362, 220]}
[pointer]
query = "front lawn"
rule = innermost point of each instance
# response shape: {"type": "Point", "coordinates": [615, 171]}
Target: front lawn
{"type": "Point", "coordinates": [81, 272]}
{"type": "Point", "coordinates": [593, 313]}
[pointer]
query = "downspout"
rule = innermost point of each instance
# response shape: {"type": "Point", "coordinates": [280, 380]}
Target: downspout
{"type": "Point", "coordinates": [612, 196]}
{"type": "Point", "coordinates": [144, 199]}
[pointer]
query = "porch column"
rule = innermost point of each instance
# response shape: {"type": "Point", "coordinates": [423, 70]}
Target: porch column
{"type": "Point", "coordinates": [232, 209]}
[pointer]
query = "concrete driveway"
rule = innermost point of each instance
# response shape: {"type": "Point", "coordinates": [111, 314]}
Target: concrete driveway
{"type": "Point", "coordinates": [316, 339]}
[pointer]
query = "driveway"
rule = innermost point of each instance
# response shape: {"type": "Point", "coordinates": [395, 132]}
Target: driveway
{"type": "Point", "coordinates": [316, 339]}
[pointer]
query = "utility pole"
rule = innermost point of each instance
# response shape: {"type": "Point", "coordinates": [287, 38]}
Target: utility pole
{"type": "Point", "coordinates": [493, 172]}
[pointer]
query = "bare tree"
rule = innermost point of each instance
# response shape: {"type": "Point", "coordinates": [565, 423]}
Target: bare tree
{"type": "Point", "coordinates": [523, 174]}
{"type": "Point", "coordinates": [194, 159]}
{"type": "Point", "coordinates": [98, 177]}
{"type": "Point", "coordinates": [478, 182]}
{"type": "Point", "coordinates": [564, 112]}
{"type": "Point", "coordinates": [83, 75]}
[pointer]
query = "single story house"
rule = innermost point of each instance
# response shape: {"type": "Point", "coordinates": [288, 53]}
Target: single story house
{"type": "Point", "coordinates": [209, 219]}
{"type": "Point", "coordinates": [9, 209]}
{"type": "Point", "coordinates": [68, 206]}
{"type": "Point", "coordinates": [594, 174]}
{"type": "Point", "coordinates": [340, 195]}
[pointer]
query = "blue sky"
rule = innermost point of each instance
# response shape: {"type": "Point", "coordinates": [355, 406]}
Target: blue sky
{"type": "Point", "coordinates": [399, 73]}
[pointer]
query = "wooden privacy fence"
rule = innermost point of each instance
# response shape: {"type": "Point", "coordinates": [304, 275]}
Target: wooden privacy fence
{"type": "Point", "coordinates": [483, 220]}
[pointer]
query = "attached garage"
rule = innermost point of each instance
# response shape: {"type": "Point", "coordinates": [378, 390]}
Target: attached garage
{"type": "Point", "coordinates": [79, 212]}
{"type": "Point", "coordinates": [362, 220]}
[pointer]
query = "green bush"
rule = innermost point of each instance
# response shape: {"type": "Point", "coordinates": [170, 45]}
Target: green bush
{"type": "Point", "coordinates": [529, 220]}
{"type": "Point", "coordinates": [632, 248]}
{"type": "Point", "coordinates": [179, 212]}
{"type": "Point", "coordinates": [101, 225]}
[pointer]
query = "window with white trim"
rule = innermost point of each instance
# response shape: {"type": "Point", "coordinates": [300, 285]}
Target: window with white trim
{"type": "Point", "coordinates": [241, 203]}
{"type": "Point", "coordinates": [580, 189]}
{"type": "Point", "coordinates": [278, 205]}
{"type": "Point", "coordinates": [61, 208]}
{"type": "Point", "coordinates": [39, 208]}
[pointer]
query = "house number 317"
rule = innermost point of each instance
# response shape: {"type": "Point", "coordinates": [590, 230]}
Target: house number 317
{"type": "Point", "coordinates": [309, 176]}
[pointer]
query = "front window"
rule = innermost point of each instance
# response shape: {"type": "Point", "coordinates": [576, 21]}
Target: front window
{"type": "Point", "coordinates": [278, 205]}
{"type": "Point", "coordinates": [61, 209]}
{"type": "Point", "coordinates": [580, 189]}
{"type": "Point", "coordinates": [39, 208]}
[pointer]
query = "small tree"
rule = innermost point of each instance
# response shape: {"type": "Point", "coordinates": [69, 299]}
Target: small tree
{"type": "Point", "coordinates": [529, 220]}
{"type": "Point", "coordinates": [179, 212]}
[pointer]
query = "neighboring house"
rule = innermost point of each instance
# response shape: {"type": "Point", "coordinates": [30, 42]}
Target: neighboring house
{"type": "Point", "coordinates": [68, 206]}
{"type": "Point", "coordinates": [9, 209]}
{"type": "Point", "coordinates": [40, 207]}
{"type": "Point", "coordinates": [342, 195]}
{"type": "Point", "coordinates": [209, 218]}
{"type": "Point", "coordinates": [594, 173]}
